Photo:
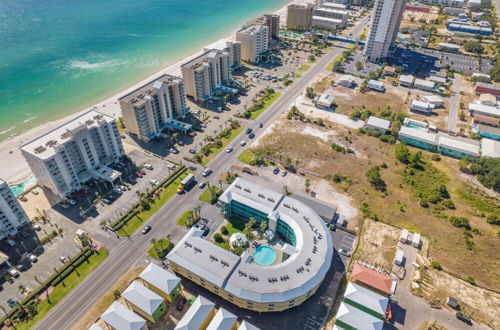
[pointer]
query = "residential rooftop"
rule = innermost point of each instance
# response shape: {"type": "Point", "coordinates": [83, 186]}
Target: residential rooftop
{"type": "Point", "coordinates": [371, 278]}
{"type": "Point", "coordinates": [139, 96]}
{"type": "Point", "coordinates": [120, 317]}
{"type": "Point", "coordinates": [47, 144]}
{"type": "Point", "coordinates": [160, 278]}
{"type": "Point", "coordinates": [142, 297]}
{"type": "Point", "coordinates": [378, 122]}
{"type": "Point", "coordinates": [490, 148]}
{"type": "Point", "coordinates": [196, 314]}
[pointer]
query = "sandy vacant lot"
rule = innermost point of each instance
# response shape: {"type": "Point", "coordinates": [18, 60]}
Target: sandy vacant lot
{"type": "Point", "coordinates": [377, 244]}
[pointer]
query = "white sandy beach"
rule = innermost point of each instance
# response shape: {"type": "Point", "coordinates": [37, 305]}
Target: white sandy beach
{"type": "Point", "coordinates": [12, 164]}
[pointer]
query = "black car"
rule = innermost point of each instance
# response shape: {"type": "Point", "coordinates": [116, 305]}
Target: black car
{"type": "Point", "coordinates": [146, 229]}
{"type": "Point", "coordinates": [251, 135]}
{"type": "Point", "coordinates": [248, 131]}
{"type": "Point", "coordinates": [276, 170]}
{"type": "Point", "coordinates": [181, 303]}
{"type": "Point", "coordinates": [464, 318]}
{"type": "Point", "coordinates": [260, 125]}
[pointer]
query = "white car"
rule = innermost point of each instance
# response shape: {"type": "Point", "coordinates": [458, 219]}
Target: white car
{"type": "Point", "coordinates": [243, 143]}
{"type": "Point", "coordinates": [148, 166]}
{"type": "Point", "coordinates": [153, 182]}
{"type": "Point", "coordinates": [32, 258]}
{"type": "Point", "coordinates": [11, 242]}
{"type": "Point", "coordinates": [171, 166]}
{"type": "Point", "coordinates": [206, 172]}
{"type": "Point", "coordinates": [63, 259]}
{"type": "Point", "coordinates": [345, 252]}
{"type": "Point", "coordinates": [72, 202]}
{"type": "Point", "coordinates": [229, 149]}
{"type": "Point", "coordinates": [117, 190]}
{"type": "Point", "coordinates": [13, 272]}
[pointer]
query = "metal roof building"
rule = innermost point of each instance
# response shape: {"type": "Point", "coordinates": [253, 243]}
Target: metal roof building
{"type": "Point", "coordinates": [490, 148]}
{"type": "Point", "coordinates": [485, 110]}
{"type": "Point", "coordinates": [408, 134]}
{"type": "Point", "coordinates": [160, 278]}
{"type": "Point", "coordinates": [120, 317]}
{"type": "Point", "coordinates": [379, 124]}
{"type": "Point", "coordinates": [247, 326]}
{"type": "Point", "coordinates": [366, 300]}
{"type": "Point", "coordinates": [458, 148]}
{"type": "Point", "coordinates": [349, 317]}
{"type": "Point", "coordinates": [197, 315]}
{"type": "Point", "coordinates": [143, 298]}
{"type": "Point", "coordinates": [223, 320]}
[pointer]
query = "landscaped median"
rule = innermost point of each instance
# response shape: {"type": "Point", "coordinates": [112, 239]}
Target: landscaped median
{"type": "Point", "coordinates": [37, 304]}
{"type": "Point", "coordinates": [149, 204]}
{"type": "Point", "coordinates": [261, 102]}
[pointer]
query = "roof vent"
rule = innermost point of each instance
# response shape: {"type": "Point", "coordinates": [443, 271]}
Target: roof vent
{"type": "Point", "coordinates": [271, 200]}
{"type": "Point", "coordinates": [261, 196]}
{"type": "Point", "coordinates": [247, 190]}
{"type": "Point", "coordinates": [286, 205]}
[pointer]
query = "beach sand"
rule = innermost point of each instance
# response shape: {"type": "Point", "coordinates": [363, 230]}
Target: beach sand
{"type": "Point", "coordinates": [12, 164]}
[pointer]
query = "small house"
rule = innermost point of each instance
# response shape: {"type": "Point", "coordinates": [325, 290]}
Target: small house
{"type": "Point", "coordinates": [415, 242]}
{"type": "Point", "coordinates": [198, 315]}
{"type": "Point", "coordinates": [376, 85]}
{"type": "Point", "coordinates": [399, 258]}
{"type": "Point", "coordinates": [482, 88]}
{"type": "Point", "coordinates": [377, 124]}
{"type": "Point", "coordinates": [324, 101]}
{"type": "Point", "coordinates": [160, 281]}
{"type": "Point", "coordinates": [144, 301]}
{"type": "Point", "coordinates": [346, 81]}
{"type": "Point", "coordinates": [418, 138]}
{"type": "Point", "coordinates": [490, 148]}
{"type": "Point", "coordinates": [424, 85]}
{"type": "Point", "coordinates": [481, 76]}
{"type": "Point", "coordinates": [484, 110]}
{"type": "Point", "coordinates": [458, 147]}
{"type": "Point", "coordinates": [435, 100]}
{"type": "Point", "coordinates": [120, 317]}
{"type": "Point", "coordinates": [449, 47]}
{"type": "Point", "coordinates": [488, 99]}
{"type": "Point", "coordinates": [420, 106]}
{"type": "Point", "coordinates": [372, 279]}
{"type": "Point", "coordinates": [247, 326]}
{"type": "Point", "coordinates": [440, 81]}
{"type": "Point", "coordinates": [406, 80]}
{"type": "Point", "coordinates": [365, 299]}
{"type": "Point", "coordinates": [389, 71]}
{"type": "Point", "coordinates": [223, 320]}
{"type": "Point", "coordinates": [487, 131]}
{"type": "Point", "coordinates": [403, 237]}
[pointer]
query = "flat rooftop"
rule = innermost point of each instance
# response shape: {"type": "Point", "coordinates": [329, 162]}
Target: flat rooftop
{"type": "Point", "coordinates": [45, 146]}
{"type": "Point", "coordinates": [137, 96]}
{"type": "Point", "coordinates": [199, 60]}
{"type": "Point", "coordinates": [250, 29]}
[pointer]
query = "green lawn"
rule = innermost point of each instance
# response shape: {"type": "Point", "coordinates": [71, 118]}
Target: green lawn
{"type": "Point", "coordinates": [181, 221]}
{"type": "Point", "coordinates": [268, 102]}
{"type": "Point", "coordinates": [247, 157]}
{"type": "Point", "coordinates": [206, 195]}
{"type": "Point", "coordinates": [141, 218]}
{"type": "Point", "coordinates": [164, 245]}
{"type": "Point", "coordinates": [61, 291]}
{"type": "Point", "coordinates": [297, 75]}
{"type": "Point", "coordinates": [304, 67]}
{"type": "Point", "coordinates": [225, 142]}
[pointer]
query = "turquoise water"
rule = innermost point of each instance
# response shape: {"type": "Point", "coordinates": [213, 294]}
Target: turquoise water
{"type": "Point", "coordinates": [18, 189]}
{"type": "Point", "coordinates": [264, 255]}
{"type": "Point", "coordinates": [60, 56]}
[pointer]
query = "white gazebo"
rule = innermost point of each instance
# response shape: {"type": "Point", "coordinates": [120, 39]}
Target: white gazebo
{"type": "Point", "coordinates": [237, 239]}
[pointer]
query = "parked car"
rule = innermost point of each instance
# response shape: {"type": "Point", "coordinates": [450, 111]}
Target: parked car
{"type": "Point", "coordinates": [148, 166]}
{"type": "Point", "coordinates": [202, 185]}
{"type": "Point", "coordinates": [345, 252]}
{"type": "Point", "coordinates": [117, 190]}
{"type": "Point", "coordinates": [146, 229]}
{"type": "Point", "coordinates": [216, 117]}
{"type": "Point", "coordinates": [191, 134]}
{"type": "Point", "coordinates": [284, 173]}
{"type": "Point", "coordinates": [464, 318]}
{"type": "Point", "coordinates": [181, 303]}
{"type": "Point", "coordinates": [13, 272]}
{"type": "Point", "coordinates": [22, 198]}
{"type": "Point", "coordinates": [72, 202]}
{"type": "Point", "coordinates": [276, 171]}
{"type": "Point", "coordinates": [37, 227]}
{"type": "Point", "coordinates": [229, 149]}
{"type": "Point", "coordinates": [206, 172]}
{"type": "Point", "coordinates": [138, 174]}
{"type": "Point", "coordinates": [12, 303]}
{"type": "Point", "coordinates": [20, 267]}
{"type": "Point", "coordinates": [106, 201]}
{"type": "Point", "coordinates": [173, 150]}
{"type": "Point", "coordinates": [63, 259]}
{"type": "Point", "coordinates": [171, 166]}
{"type": "Point", "coordinates": [11, 242]}
{"type": "Point", "coordinates": [153, 182]}
{"type": "Point", "coordinates": [192, 151]}
{"type": "Point", "coordinates": [248, 130]}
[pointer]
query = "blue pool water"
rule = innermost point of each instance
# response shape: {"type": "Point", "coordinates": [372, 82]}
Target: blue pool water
{"type": "Point", "coordinates": [264, 255]}
{"type": "Point", "coordinates": [18, 189]}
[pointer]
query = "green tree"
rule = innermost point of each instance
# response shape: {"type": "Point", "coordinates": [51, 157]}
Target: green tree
{"type": "Point", "coordinates": [375, 179]}
{"type": "Point", "coordinates": [473, 46]}
{"type": "Point", "coordinates": [403, 153]}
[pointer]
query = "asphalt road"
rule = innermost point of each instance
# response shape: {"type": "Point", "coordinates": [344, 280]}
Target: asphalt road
{"type": "Point", "coordinates": [451, 124]}
{"type": "Point", "coordinates": [127, 252]}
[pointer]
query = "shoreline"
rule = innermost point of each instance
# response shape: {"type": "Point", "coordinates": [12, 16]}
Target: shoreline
{"type": "Point", "coordinates": [14, 167]}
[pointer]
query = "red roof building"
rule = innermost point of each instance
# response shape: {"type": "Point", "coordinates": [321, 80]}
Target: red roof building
{"type": "Point", "coordinates": [485, 88]}
{"type": "Point", "coordinates": [371, 278]}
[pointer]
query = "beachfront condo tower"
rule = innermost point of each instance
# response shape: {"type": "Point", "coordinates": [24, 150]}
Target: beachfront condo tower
{"type": "Point", "coordinates": [74, 153]}
{"type": "Point", "coordinates": [299, 17]}
{"type": "Point", "coordinates": [155, 106]}
{"type": "Point", "coordinates": [206, 73]}
{"type": "Point", "coordinates": [273, 25]}
{"type": "Point", "coordinates": [384, 26]}
{"type": "Point", "coordinates": [12, 215]}
{"type": "Point", "coordinates": [232, 48]}
{"type": "Point", "coordinates": [254, 41]}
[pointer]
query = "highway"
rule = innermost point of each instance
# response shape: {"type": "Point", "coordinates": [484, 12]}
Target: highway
{"type": "Point", "coordinates": [127, 252]}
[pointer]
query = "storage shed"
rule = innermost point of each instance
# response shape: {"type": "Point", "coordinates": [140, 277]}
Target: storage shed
{"type": "Point", "coordinates": [403, 238]}
{"type": "Point", "coordinates": [399, 258]}
{"type": "Point", "coordinates": [415, 242]}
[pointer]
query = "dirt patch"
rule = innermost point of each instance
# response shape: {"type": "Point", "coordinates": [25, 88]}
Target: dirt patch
{"type": "Point", "coordinates": [107, 299]}
{"type": "Point", "coordinates": [437, 117]}
{"type": "Point", "coordinates": [377, 244]}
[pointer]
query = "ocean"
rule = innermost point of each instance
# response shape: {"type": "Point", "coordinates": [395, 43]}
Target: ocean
{"type": "Point", "coordinates": [61, 56]}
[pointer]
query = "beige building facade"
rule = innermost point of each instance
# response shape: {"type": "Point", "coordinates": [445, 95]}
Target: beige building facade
{"type": "Point", "coordinates": [254, 40]}
{"type": "Point", "coordinates": [299, 17]}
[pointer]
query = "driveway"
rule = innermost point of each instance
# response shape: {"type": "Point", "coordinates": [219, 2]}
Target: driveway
{"type": "Point", "coordinates": [451, 124]}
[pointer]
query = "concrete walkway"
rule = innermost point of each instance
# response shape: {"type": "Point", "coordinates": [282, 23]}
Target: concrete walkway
{"type": "Point", "coordinates": [451, 123]}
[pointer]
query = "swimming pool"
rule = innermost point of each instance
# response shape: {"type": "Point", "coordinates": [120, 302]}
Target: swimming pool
{"type": "Point", "coordinates": [19, 188]}
{"type": "Point", "coordinates": [264, 255]}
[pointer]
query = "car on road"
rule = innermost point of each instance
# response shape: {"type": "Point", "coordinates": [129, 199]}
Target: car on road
{"type": "Point", "coordinates": [229, 149]}
{"type": "Point", "coordinates": [63, 259]}
{"type": "Point", "coordinates": [243, 143]}
{"type": "Point", "coordinates": [153, 182]}
{"type": "Point", "coordinates": [146, 229]}
{"type": "Point", "coordinates": [148, 166]}
{"type": "Point", "coordinates": [261, 125]}
{"type": "Point", "coordinates": [251, 135]}
{"type": "Point", "coordinates": [11, 242]}
{"type": "Point", "coordinates": [203, 228]}
{"type": "Point", "coordinates": [32, 258]}
{"type": "Point", "coordinates": [464, 318]}
{"type": "Point", "coordinates": [173, 151]}
{"type": "Point", "coordinates": [276, 171]}
{"type": "Point", "coordinates": [13, 272]}
{"type": "Point", "coordinates": [248, 131]}
{"type": "Point", "coordinates": [284, 173]}
{"type": "Point", "coordinates": [181, 303]}
{"type": "Point", "coordinates": [202, 185]}
{"type": "Point", "coordinates": [192, 151]}
{"type": "Point", "coordinates": [206, 172]}
{"type": "Point", "coordinates": [72, 202]}
{"type": "Point", "coordinates": [344, 252]}
{"type": "Point", "coordinates": [138, 174]}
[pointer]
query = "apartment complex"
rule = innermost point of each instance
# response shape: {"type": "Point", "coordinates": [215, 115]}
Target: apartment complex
{"type": "Point", "coordinates": [307, 252]}
{"type": "Point", "coordinates": [12, 215]}
{"type": "Point", "coordinates": [299, 17]}
{"type": "Point", "coordinates": [273, 25]}
{"type": "Point", "coordinates": [254, 40]}
{"type": "Point", "coordinates": [152, 107]}
{"type": "Point", "coordinates": [232, 48]}
{"type": "Point", "coordinates": [75, 152]}
{"type": "Point", "coordinates": [385, 22]}
{"type": "Point", "coordinates": [205, 73]}
{"type": "Point", "coordinates": [329, 18]}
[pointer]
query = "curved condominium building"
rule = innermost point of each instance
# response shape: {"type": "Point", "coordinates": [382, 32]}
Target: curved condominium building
{"type": "Point", "coordinates": [304, 243]}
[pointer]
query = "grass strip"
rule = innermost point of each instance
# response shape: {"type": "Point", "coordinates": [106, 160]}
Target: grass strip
{"type": "Point", "coordinates": [267, 103]}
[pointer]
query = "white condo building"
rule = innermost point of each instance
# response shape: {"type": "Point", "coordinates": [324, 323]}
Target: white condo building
{"type": "Point", "coordinates": [254, 40]}
{"type": "Point", "coordinates": [205, 73]}
{"type": "Point", "coordinates": [74, 153]}
{"type": "Point", "coordinates": [152, 107]}
{"type": "Point", "coordinates": [384, 26]}
{"type": "Point", "coordinates": [232, 48]}
{"type": "Point", "coordinates": [12, 215]}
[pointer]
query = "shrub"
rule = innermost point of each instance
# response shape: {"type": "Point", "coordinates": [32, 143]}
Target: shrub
{"type": "Point", "coordinates": [375, 179]}
{"type": "Point", "coordinates": [436, 157]}
{"type": "Point", "coordinates": [470, 279]}
{"type": "Point", "coordinates": [402, 153]}
{"type": "Point", "coordinates": [224, 230]}
{"type": "Point", "coordinates": [436, 265]}
{"type": "Point", "coordinates": [387, 138]}
{"type": "Point", "coordinates": [448, 204]}
{"type": "Point", "coordinates": [460, 222]}
{"type": "Point", "coordinates": [218, 238]}
{"type": "Point", "coordinates": [493, 219]}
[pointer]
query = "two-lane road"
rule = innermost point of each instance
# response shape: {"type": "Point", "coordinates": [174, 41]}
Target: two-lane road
{"type": "Point", "coordinates": [128, 251]}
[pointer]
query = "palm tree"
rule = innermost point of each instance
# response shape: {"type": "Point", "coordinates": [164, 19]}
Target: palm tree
{"type": "Point", "coordinates": [73, 265]}
{"type": "Point", "coordinates": [60, 277]}
{"type": "Point", "coordinates": [8, 317]}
